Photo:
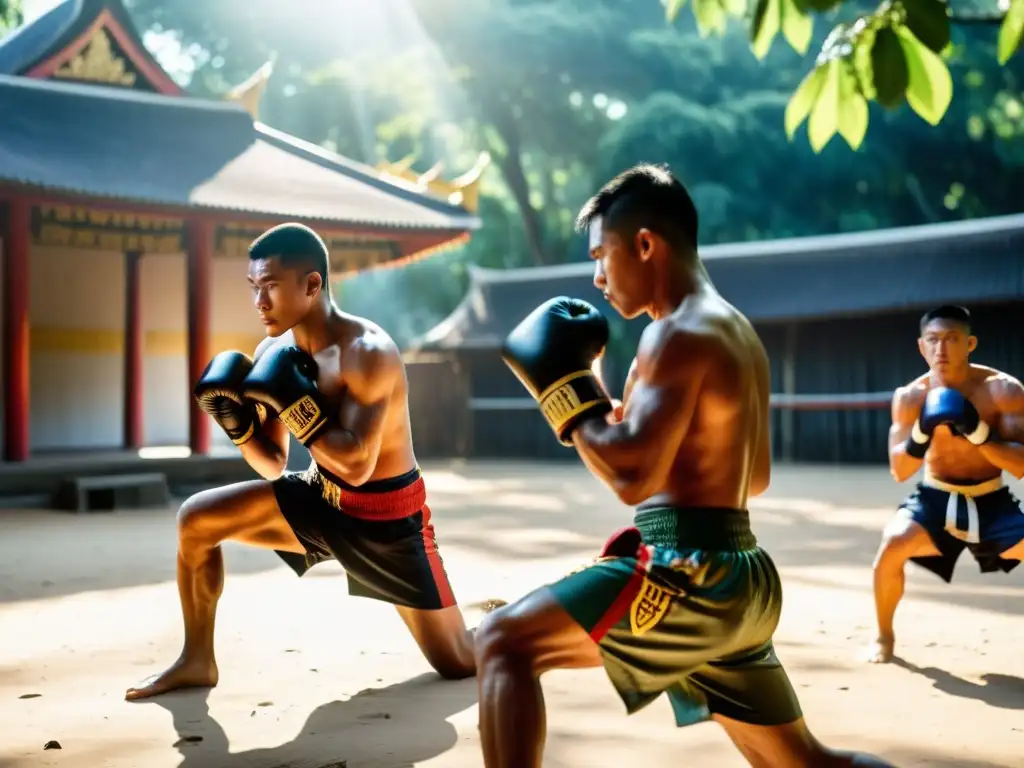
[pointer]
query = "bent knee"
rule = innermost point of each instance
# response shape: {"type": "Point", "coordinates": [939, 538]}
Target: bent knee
{"type": "Point", "coordinates": [902, 539]}
{"type": "Point", "coordinates": [453, 664]}
{"type": "Point", "coordinates": [192, 521]}
{"type": "Point", "coordinates": [501, 635]}
{"type": "Point", "coordinates": [452, 657]}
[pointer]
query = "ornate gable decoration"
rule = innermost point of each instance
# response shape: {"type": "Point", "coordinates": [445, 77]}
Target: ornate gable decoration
{"type": "Point", "coordinates": [98, 63]}
{"type": "Point", "coordinates": [104, 50]}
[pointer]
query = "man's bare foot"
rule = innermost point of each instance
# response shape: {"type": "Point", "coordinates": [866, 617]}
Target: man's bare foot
{"type": "Point", "coordinates": [490, 605]}
{"type": "Point", "coordinates": [181, 674]}
{"type": "Point", "coordinates": [881, 651]}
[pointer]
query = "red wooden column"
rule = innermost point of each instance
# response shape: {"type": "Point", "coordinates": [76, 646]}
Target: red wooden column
{"type": "Point", "coordinates": [133, 351]}
{"type": "Point", "coordinates": [16, 239]}
{"type": "Point", "coordinates": [200, 264]}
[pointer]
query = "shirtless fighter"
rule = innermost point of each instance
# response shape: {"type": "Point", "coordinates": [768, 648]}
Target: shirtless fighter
{"type": "Point", "coordinates": [338, 384]}
{"type": "Point", "coordinates": [965, 424]}
{"type": "Point", "coordinates": [685, 602]}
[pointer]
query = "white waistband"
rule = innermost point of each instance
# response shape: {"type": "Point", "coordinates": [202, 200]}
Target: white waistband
{"type": "Point", "coordinates": [969, 493]}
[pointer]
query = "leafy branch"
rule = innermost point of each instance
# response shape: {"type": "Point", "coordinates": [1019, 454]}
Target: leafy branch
{"type": "Point", "coordinates": [890, 56]}
{"type": "Point", "coordinates": [10, 15]}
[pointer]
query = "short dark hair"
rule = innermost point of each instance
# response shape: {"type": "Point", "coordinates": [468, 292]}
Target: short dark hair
{"type": "Point", "coordinates": [952, 312]}
{"type": "Point", "coordinates": [645, 196]}
{"type": "Point", "coordinates": [294, 245]}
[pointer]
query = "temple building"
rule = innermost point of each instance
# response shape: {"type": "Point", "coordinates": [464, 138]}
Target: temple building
{"type": "Point", "coordinates": [126, 209]}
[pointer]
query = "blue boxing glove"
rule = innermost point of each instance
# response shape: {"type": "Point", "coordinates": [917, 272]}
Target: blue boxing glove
{"type": "Point", "coordinates": [946, 406]}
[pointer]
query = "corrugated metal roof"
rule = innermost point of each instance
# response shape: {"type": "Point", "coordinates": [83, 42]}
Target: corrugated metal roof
{"type": "Point", "coordinates": [140, 147]}
{"type": "Point", "coordinates": [794, 279]}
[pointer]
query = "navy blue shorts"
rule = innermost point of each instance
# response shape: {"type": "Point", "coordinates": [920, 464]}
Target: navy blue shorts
{"type": "Point", "coordinates": [380, 532]}
{"type": "Point", "coordinates": [955, 518]}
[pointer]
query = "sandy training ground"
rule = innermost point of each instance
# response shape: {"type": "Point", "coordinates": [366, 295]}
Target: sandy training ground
{"type": "Point", "coordinates": [311, 678]}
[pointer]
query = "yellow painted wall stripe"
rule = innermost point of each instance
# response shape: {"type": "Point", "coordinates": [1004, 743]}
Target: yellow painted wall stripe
{"type": "Point", "coordinates": [157, 343]}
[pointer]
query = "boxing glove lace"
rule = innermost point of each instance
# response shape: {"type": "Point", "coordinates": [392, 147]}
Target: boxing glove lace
{"type": "Point", "coordinates": [284, 380]}
{"type": "Point", "coordinates": [218, 393]}
{"type": "Point", "coordinates": [552, 353]}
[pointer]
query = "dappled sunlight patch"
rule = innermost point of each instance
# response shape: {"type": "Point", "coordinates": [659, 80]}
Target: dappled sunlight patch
{"type": "Point", "coordinates": [821, 511]}
{"type": "Point", "coordinates": [310, 675]}
{"type": "Point", "coordinates": [528, 501]}
{"type": "Point", "coordinates": [827, 544]}
{"type": "Point", "coordinates": [508, 544]}
{"type": "Point", "coordinates": [766, 517]}
{"type": "Point", "coordinates": [559, 537]}
{"type": "Point", "coordinates": [442, 481]}
{"type": "Point", "coordinates": [921, 585]}
{"type": "Point", "coordinates": [790, 504]}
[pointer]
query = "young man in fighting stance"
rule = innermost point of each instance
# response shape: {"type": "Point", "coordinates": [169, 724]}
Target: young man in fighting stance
{"type": "Point", "coordinates": [338, 384]}
{"type": "Point", "coordinates": [964, 423]}
{"type": "Point", "coordinates": [685, 602]}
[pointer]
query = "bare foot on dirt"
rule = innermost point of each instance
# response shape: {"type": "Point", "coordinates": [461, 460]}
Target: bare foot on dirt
{"type": "Point", "coordinates": [491, 604]}
{"type": "Point", "coordinates": [181, 674]}
{"type": "Point", "coordinates": [881, 650]}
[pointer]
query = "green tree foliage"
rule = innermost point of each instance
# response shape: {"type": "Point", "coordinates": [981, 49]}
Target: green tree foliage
{"type": "Point", "coordinates": [893, 54]}
{"type": "Point", "coordinates": [10, 15]}
{"type": "Point", "coordinates": [565, 93]}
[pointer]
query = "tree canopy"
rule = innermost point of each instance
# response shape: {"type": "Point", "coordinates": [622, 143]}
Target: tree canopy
{"type": "Point", "coordinates": [892, 54]}
{"type": "Point", "coordinates": [565, 93]}
{"type": "Point", "coordinates": [10, 15]}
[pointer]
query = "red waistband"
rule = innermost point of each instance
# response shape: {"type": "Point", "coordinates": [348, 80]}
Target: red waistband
{"type": "Point", "coordinates": [386, 505]}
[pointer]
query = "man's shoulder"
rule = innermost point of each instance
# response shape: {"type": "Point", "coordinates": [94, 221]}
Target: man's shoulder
{"type": "Point", "coordinates": [675, 345]}
{"type": "Point", "coordinates": [376, 346]}
{"type": "Point", "coordinates": [987, 375]}
{"type": "Point", "coordinates": [1006, 390]}
{"type": "Point", "coordinates": [715, 331]}
{"type": "Point", "coordinates": [913, 392]}
{"type": "Point", "coordinates": [371, 355]}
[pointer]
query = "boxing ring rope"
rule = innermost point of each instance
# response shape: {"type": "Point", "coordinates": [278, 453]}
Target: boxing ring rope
{"type": "Point", "coordinates": [821, 402]}
{"type": "Point", "coordinates": [788, 406]}
{"type": "Point", "coordinates": [838, 402]}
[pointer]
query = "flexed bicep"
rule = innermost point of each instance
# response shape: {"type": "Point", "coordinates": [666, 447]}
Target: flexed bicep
{"type": "Point", "coordinates": [907, 444]}
{"type": "Point", "coordinates": [352, 443]}
{"type": "Point", "coordinates": [658, 418]}
{"type": "Point", "coordinates": [635, 454]}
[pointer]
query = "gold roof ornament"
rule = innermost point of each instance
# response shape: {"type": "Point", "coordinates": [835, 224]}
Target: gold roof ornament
{"type": "Point", "coordinates": [98, 63]}
{"type": "Point", "coordinates": [249, 92]}
{"type": "Point", "coordinates": [463, 191]}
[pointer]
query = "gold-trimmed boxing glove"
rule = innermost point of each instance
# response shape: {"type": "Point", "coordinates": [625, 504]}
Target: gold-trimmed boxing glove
{"type": "Point", "coordinates": [218, 393]}
{"type": "Point", "coordinates": [552, 352]}
{"type": "Point", "coordinates": [284, 381]}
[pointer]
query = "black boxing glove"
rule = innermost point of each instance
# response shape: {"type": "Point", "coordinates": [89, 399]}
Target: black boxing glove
{"type": "Point", "coordinates": [219, 394]}
{"type": "Point", "coordinates": [284, 380]}
{"type": "Point", "coordinates": [552, 352]}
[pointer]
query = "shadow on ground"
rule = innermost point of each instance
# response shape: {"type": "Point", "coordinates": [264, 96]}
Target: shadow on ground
{"type": "Point", "coordinates": [996, 690]}
{"type": "Point", "coordinates": [516, 512]}
{"type": "Point", "coordinates": [359, 731]}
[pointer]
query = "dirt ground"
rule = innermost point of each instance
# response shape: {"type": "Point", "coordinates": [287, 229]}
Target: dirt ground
{"type": "Point", "coordinates": [311, 678]}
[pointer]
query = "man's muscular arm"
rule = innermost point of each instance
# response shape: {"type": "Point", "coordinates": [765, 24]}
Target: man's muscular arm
{"type": "Point", "coordinates": [350, 447]}
{"type": "Point", "coordinates": [267, 452]}
{"type": "Point", "coordinates": [633, 456]}
{"type": "Point", "coordinates": [619, 406]}
{"type": "Point", "coordinates": [905, 409]}
{"type": "Point", "coordinates": [1007, 452]}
